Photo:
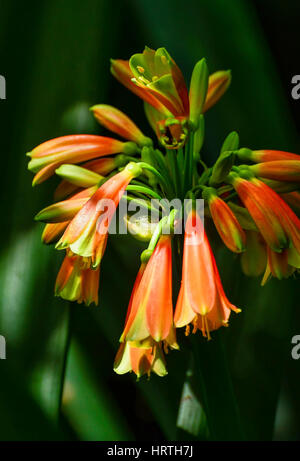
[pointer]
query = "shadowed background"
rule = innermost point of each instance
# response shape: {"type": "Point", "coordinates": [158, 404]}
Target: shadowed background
{"type": "Point", "coordinates": [55, 58]}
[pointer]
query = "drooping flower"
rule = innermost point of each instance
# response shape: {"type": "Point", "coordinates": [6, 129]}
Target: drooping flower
{"type": "Point", "coordinates": [201, 300]}
{"type": "Point", "coordinates": [76, 281]}
{"type": "Point", "coordinates": [225, 221]}
{"type": "Point", "coordinates": [86, 233]}
{"type": "Point", "coordinates": [150, 313]}
{"type": "Point", "coordinates": [144, 356]}
{"type": "Point", "coordinates": [259, 199]}
{"type": "Point", "coordinates": [48, 156]}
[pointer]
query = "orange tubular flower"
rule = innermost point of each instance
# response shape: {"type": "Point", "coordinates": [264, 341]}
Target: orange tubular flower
{"type": "Point", "coordinates": [142, 357]}
{"type": "Point", "coordinates": [86, 234]}
{"type": "Point", "coordinates": [273, 155]}
{"type": "Point", "coordinates": [277, 223]}
{"type": "Point", "coordinates": [279, 170]}
{"type": "Point", "coordinates": [150, 314]}
{"type": "Point", "coordinates": [225, 221]}
{"type": "Point", "coordinates": [46, 157]}
{"type": "Point", "coordinates": [260, 200]}
{"type": "Point", "coordinates": [64, 211]}
{"type": "Point", "coordinates": [201, 300]}
{"type": "Point", "coordinates": [264, 155]}
{"type": "Point", "coordinates": [76, 281]}
{"type": "Point", "coordinates": [117, 122]}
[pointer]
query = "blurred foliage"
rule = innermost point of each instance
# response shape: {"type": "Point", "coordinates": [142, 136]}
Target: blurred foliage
{"type": "Point", "coordinates": [55, 60]}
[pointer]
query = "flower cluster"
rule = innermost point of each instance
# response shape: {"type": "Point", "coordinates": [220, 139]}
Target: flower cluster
{"type": "Point", "coordinates": [251, 196]}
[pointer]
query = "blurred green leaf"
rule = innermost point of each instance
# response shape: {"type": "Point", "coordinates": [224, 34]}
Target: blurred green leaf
{"type": "Point", "coordinates": [90, 409]}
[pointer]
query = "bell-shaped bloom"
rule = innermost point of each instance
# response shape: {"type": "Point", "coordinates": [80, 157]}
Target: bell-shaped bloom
{"type": "Point", "coordinates": [86, 234]}
{"type": "Point", "coordinates": [226, 222]}
{"type": "Point", "coordinates": [117, 122]}
{"type": "Point", "coordinates": [277, 265]}
{"type": "Point", "coordinates": [150, 312]}
{"type": "Point", "coordinates": [279, 170]}
{"type": "Point", "coordinates": [48, 156]}
{"type": "Point", "coordinates": [253, 260]}
{"type": "Point", "coordinates": [100, 166]}
{"type": "Point", "coordinates": [157, 73]}
{"type": "Point", "coordinates": [218, 84]}
{"type": "Point", "coordinates": [141, 357]}
{"type": "Point", "coordinates": [201, 300]}
{"type": "Point", "coordinates": [76, 281]}
{"type": "Point", "coordinates": [64, 211]}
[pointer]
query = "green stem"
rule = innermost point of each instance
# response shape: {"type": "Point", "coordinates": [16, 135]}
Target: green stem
{"type": "Point", "coordinates": [162, 179]}
{"type": "Point", "coordinates": [188, 165]}
{"type": "Point", "coordinates": [143, 190]}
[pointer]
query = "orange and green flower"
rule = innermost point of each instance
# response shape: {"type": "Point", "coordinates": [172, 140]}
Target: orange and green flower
{"type": "Point", "coordinates": [87, 232]}
{"type": "Point", "coordinates": [201, 301]}
{"type": "Point", "coordinates": [150, 313]}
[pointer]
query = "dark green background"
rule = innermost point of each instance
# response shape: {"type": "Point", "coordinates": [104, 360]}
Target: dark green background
{"type": "Point", "coordinates": [55, 58]}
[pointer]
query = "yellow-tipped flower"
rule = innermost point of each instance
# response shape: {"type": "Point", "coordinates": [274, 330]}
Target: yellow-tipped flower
{"type": "Point", "coordinates": [48, 156]}
{"type": "Point", "coordinates": [76, 281]}
{"type": "Point", "coordinates": [87, 232]}
{"type": "Point", "coordinates": [117, 122]}
{"type": "Point", "coordinates": [141, 357]}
